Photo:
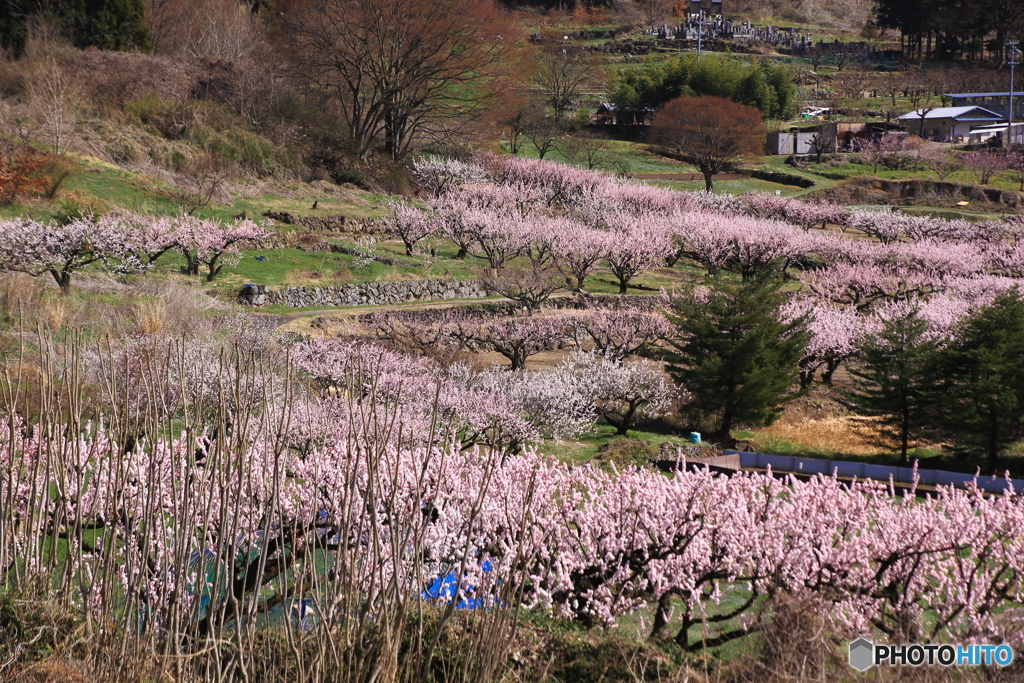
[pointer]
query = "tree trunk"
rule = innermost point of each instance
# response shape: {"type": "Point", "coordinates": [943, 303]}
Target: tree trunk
{"type": "Point", "coordinates": [622, 429]}
{"type": "Point", "coordinates": [709, 180]}
{"type": "Point", "coordinates": [63, 280]}
{"type": "Point", "coordinates": [993, 438]}
{"type": "Point", "coordinates": [904, 437]}
{"type": "Point", "coordinates": [661, 616]}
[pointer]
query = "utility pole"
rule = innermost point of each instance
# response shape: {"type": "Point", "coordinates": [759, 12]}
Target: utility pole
{"type": "Point", "coordinates": [700, 31]}
{"type": "Point", "coordinates": [1011, 46]}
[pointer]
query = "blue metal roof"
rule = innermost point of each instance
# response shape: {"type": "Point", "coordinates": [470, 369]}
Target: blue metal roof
{"type": "Point", "coordinates": [1016, 93]}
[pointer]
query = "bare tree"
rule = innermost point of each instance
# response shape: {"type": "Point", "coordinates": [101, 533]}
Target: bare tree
{"type": "Point", "coordinates": [824, 141]}
{"type": "Point", "coordinates": [529, 287]}
{"type": "Point", "coordinates": [17, 126]}
{"type": "Point", "coordinates": [514, 124]}
{"type": "Point", "coordinates": [223, 30]}
{"type": "Point", "coordinates": [851, 84]}
{"type": "Point", "coordinates": [562, 79]}
{"type": "Point", "coordinates": [541, 131]}
{"type": "Point", "coordinates": [709, 132]}
{"type": "Point", "coordinates": [891, 84]}
{"type": "Point", "coordinates": [202, 180]}
{"type": "Point", "coordinates": [513, 112]}
{"type": "Point", "coordinates": [586, 147]}
{"type": "Point", "coordinates": [939, 161]}
{"type": "Point", "coordinates": [394, 66]}
{"type": "Point", "coordinates": [54, 96]}
{"type": "Point", "coordinates": [841, 60]}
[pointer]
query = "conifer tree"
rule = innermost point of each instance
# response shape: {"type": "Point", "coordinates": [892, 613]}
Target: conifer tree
{"type": "Point", "coordinates": [733, 352]}
{"type": "Point", "coordinates": [983, 397]}
{"type": "Point", "coordinates": [895, 380]}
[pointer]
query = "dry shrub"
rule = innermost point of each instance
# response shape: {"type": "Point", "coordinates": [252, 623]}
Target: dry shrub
{"type": "Point", "coordinates": [623, 452]}
{"type": "Point", "coordinates": [55, 311]}
{"type": "Point", "coordinates": [342, 276]}
{"type": "Point", "coordinates": [395, 275]}
{"type": "Point", "coordinates": [837, 434]}
{"type": "Point", "coordinates": [176, 307]}
{"type": "Point", "coordinates": [22, 175]}
{"type": "Point", "coordinates": [52, 671]}
{"type": "Point", "coordinates": [301, 278]}
{"type": "Point", "coordinates": [150, 316]}
{"type": "Point", "coordinates": [339, 327]}
{"type": "Point", "coordinates": [797, 642]}
{"type": "Point", "coordinates": [800, 642]}
{"type": "Point", "coordinates": [20, 295]}
{"type": "Point", "coordinates": [24, 384]}
{"type": "Point", "coordinates": [104, 305]}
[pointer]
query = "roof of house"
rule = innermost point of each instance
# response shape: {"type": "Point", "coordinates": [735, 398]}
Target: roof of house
{"type": "Point", "coordinates": [997, 127]}
{"type": "Point", "coordinates": [608, 106]}
{"type": "Point", "coordinates": [969, 113]}
{"type": "Point", "coordinates": [1016, 93]}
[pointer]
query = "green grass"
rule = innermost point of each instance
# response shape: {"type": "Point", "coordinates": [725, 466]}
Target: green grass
{"type": "Point", "coordinates": [98, 187]}
{"type": "Point", "coordinates": [634, 154]}
{"type": "Point", "coordinates": [850, 169]}
{"type": "Point", "coordinates": [585, 448]}
{"type": "Point", "coordinates": [778, 164]}
{"type": "Point", "coordinates": [642, 164]}
{"type": "Point", "coordinates": [738, 186]}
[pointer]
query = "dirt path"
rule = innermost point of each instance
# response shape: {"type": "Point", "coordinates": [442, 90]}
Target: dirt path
{"type": "Point", "coordinates": [360, 310]}
{"type": "Point", "coordinates": [687, 177]}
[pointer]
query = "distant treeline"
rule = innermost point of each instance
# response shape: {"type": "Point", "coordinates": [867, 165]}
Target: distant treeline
{"type": "Point", "coordinates": [765, 86]}
{"type": "Point", "coordinates": [947, 29]}
{"type": "Point", "coordinates": [556, 4]}
{"type": "Point", "coordinates": [105, 24]}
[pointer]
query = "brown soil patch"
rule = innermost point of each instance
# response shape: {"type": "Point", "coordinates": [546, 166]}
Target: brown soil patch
{"type": "Point", "coordinates": [545, 360]}
{"type": "Point", "coordinates": [687, 177]}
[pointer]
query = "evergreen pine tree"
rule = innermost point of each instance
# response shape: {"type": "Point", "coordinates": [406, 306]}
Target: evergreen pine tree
{"type": "Point", "coordinates": [734, 354]}
{"type": "Point", "coordinates": [895, 380]}
{"type": "Point", "coordinates": [983, 398]}
{"type": "Point", "coordinates": [106, 24]}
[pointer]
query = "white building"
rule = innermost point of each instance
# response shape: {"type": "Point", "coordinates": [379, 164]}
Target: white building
{"type": "Point", "coordinates": [948, 124]}
{"type": "Point", "coordinates": [983, 134]}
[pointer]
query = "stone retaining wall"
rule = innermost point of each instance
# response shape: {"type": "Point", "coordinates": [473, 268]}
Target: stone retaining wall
{"type": "Point", "coordinates": [342, 225]}
{"type": "Point", "coordinates": [367, 294]}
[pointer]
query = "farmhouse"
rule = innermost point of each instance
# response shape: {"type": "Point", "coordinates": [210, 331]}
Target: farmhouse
{"type": "Point", "coordinates": [831, 137]}
{"type": "Point", "coordinates": [948, 124]}
{"type": "Point", "coordinates": [996, 102]}
{"type": "Point", "coordinates": [610, 115]}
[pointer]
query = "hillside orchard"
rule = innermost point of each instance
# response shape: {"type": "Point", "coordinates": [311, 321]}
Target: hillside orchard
{"type": "Point", "coordinates": [200, 486]}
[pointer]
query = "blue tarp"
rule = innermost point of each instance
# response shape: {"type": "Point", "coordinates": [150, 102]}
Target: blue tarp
{"type": "Point", "coordinates": [444, 588]}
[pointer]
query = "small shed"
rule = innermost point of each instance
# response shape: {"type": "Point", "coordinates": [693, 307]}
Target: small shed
{"type": "Point", "coordinates": [608, 114]}
{"type": "Point", "coordinates": [984, 134]}
{"type": "Point", "coordinates": [948, 124]}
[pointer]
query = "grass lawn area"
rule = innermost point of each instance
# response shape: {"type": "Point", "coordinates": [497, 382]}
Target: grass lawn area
{"type": "Point", "coordinates": [297, 268]}
{"type": "Point", "coordinates": [586, 447]}
{"type": "Point", "coordinates": [98, 186]}
{"type": "Point", "coordinates": [778, 164]}
{"type": "Point", "coordinates": [838, 170]}
{"type": "Point", "coordinates": [633, 155]}
{"type": "Point", "coordinates": [738, 186]}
